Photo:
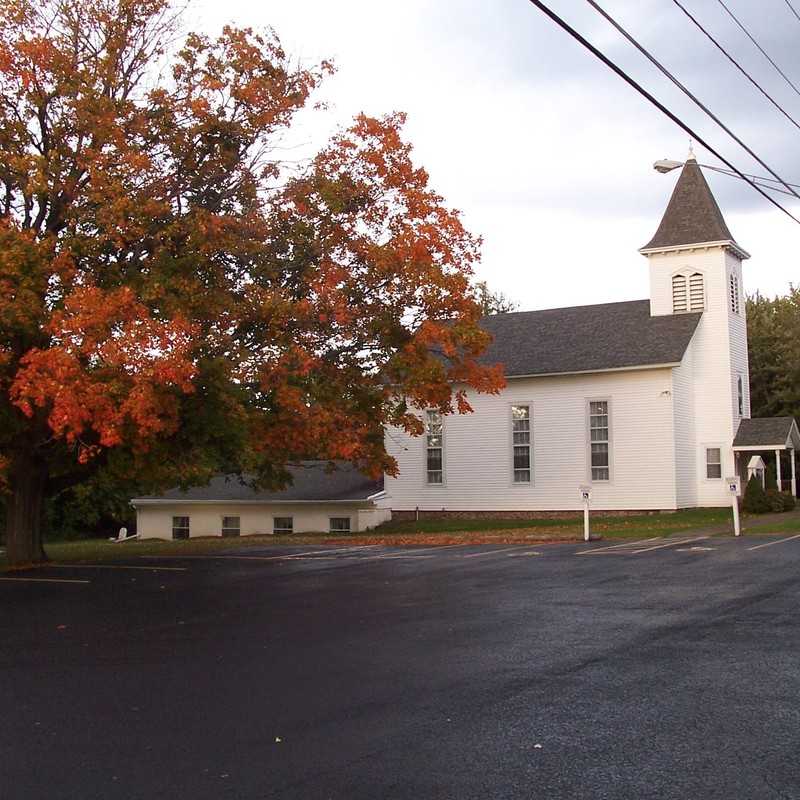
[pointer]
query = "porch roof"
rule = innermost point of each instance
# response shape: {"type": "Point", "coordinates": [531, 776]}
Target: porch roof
{"type": "Point", "coordinates": [767, 433]}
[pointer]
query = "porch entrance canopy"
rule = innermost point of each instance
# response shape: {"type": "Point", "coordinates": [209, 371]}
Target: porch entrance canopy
{"type": "Point", "coordinates": [767, 433]}
{"type": "Point", "coordinates": [771, 433]}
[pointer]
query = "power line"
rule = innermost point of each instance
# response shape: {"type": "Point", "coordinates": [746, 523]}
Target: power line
{"type": "Point", "coordinates": [761, 49]}
{"type": "Point", "coordinates": [757, 179]}
{"type": "Point", "coordinates": [737, 65]}
{"type": "Point", "coordinates": [792, 9]}
{"type": "Point", "coordinates": [653, 60]}
{"type": "Point", "coordinates": [660, 106]}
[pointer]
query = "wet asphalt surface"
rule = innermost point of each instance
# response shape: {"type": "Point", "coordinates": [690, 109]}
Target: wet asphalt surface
{"type": "Point", "coordinates": [462, 672]}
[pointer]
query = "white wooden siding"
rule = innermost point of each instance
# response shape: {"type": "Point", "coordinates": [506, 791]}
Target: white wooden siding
{"type": "Point", "coordinates": [477, 452]}
{"type": "Point", "coordinates": [685, 437]}
{"type": "Point", "coordinates": [718, 354]}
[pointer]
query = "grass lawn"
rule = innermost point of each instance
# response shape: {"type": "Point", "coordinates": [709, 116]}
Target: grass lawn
{"type": "Point", "coordinates": [430, 531]}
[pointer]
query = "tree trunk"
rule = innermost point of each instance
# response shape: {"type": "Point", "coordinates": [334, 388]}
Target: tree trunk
{"type": "Point", "coordinates": [27, 479]}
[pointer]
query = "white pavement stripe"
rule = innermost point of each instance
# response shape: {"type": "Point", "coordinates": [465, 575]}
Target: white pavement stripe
{"type": "Point", "coordinates": [670, 544]}
{"type": "Point", "coordinates": [46, 580]}
{"type": "Point", "coordinates": [519, 555]}
{"type": "Point", "coordinates": [117, 566]}
{"type": "Point", "coordinates": [777, 541]}
{"type": "Point", "coordinates": [615, 546]}
{"type": "Point", "coordinates": [490, 552]}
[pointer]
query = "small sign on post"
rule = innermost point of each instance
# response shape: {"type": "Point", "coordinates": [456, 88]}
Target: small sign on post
{"type": "Point", "coordinates": [586, 495]}
{"type": "Point", "coordinates": [735, 489]}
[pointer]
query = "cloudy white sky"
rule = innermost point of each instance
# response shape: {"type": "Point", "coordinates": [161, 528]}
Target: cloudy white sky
{"type": "Point", "coordinates": [546, 152]}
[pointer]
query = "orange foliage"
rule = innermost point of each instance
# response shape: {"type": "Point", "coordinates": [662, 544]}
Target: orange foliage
{"type": "Point", "coordinates": [159, 266]}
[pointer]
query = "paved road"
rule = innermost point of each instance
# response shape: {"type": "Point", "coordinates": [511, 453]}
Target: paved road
{"type": "Point", "coordinates": [641, 671]}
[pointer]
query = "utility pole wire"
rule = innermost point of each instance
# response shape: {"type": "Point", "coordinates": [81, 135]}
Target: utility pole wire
{"type": "Point", "coordinates": [737, 64]}
{"type": "Point", "coordinates": [761, 49]}
{"type": "Point", "coordinates": [646, 53]}
{"type": "Point", "coordinates": [792, 9]}
{"type": "Point", "coordinates": [660, 106]}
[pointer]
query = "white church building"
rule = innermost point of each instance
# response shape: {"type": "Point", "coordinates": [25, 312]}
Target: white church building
{"type": "Point", "coordinates": [647, 402]}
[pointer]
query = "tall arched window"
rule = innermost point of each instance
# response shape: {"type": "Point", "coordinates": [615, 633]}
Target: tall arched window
{"type": "Point", "coordinates": [680, 301]}
{"type": "Point", "coordinates": [734, 284]}
{"type": "Point", "coordinates": [697, 300]}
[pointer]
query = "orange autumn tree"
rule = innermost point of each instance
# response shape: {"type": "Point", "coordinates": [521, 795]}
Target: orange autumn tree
{"type": "Point", "coordinates": [173, 302]}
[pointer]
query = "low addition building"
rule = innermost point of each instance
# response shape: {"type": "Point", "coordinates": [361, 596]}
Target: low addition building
{"type": "Point", "coordinates": [318, 500]}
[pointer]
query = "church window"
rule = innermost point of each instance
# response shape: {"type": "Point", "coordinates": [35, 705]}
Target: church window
{"type": "Point", "coordinates": [521, 442]}
{"type": "Point", "coordinates": [713, 463]}
{"type": "Point", "coordinates": [740, 394]}
{"type": "Point", "coordinates": [680, 301]}
{"type": "Point", "coordinates": [599, 440]}
{"type": "Point", "coordinates": [434, 447]}
{"type": "Point", "coordinates": [734, 292]}
{"type": "Point", "coordinates": [697, 298]}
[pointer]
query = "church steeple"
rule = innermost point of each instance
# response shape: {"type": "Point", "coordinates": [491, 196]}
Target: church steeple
{"type": "Point", "coordinates": [692, 215]}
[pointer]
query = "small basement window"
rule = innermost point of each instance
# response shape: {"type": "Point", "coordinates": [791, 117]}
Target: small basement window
{"type": "Point", "coordinates": [283, 525]}
{"type": "Point", "coordinates": [180, 527]}
{"type": "Point", "coordinates": [713, 463]}
{"type": "Point", "coordinates": [339, 524]}
{"type": "Point", "coordinates": [230, 526]}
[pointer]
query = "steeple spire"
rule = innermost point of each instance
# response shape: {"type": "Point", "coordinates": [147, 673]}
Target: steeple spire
{"type": "Point", "coordinates": [692, 215]}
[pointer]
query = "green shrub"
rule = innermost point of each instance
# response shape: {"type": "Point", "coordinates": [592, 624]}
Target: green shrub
{"type": "Point", "coordinates": [755, 499]}
{"type": "Point", "coordinates": [770, 479]}
{"type": "Point", "coordinates": [774, 500]}
{"type": "Point", "coordinates": [789, 501]}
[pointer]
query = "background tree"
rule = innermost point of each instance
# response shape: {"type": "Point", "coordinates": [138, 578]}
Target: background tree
{"type": "Point", "coordinates": [773, 339]}
{"type": "Point", "coordinates": [493, 302]}
{"type": "Point", "coordinates": [172, 302]}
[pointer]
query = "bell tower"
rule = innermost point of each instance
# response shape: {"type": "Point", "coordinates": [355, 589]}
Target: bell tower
{"type": "Point", "coordinates": [696, 268]}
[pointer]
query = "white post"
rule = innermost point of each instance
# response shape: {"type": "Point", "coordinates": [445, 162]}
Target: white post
{"type": "Point", "coordinates": [585, 520]}
{"type": "Point", "coordinates": [734, 487]}
{"type": "Point", "coordinates": [794, 473]}
{"type": "Point", "coordinates": [778, 469]}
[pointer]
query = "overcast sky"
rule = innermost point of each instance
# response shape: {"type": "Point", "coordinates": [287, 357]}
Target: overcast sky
{"type": "Point", "coordinates": [545, 151]}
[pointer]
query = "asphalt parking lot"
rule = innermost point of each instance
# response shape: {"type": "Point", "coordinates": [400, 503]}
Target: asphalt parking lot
{"type": "Point", "coordinates": [654, 668]}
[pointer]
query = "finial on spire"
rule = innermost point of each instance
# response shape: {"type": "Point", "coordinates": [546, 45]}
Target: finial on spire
{"type": "Point", "coordinates": [691, 156]}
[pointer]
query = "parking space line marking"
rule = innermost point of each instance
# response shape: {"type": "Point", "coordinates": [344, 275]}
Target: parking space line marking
{"type": "Point", "coordinates": [777, 541]}
{"type": "Point", "coordinates": [490, 552]}
{"type": "Point", "coordinates": [518, 555]}
{"type": "Point", "coordinates": [669, 544]}
{"type": "Point", "coordinates": [117, 566]}
{"type": "Point", "coordinates": [615, 546]}
{"type": "Point", "coordinates": [46, 580]}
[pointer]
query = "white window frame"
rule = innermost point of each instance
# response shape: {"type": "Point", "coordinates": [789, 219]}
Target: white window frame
{"type": "Point", "coordinates": [282, 531]}
{"type": "Point", "coordinates": [349, 528]}
{"type": "Point", "coordinates": [187, 527]}
{"type": "Point", "coordinates": [610, 441]}
{"type": "Point", "coordinates": [425, 449]}
{"type": "Point", "coordinates": [740, 394]}
{"type": "Point", "coordinates": [238, 527]}
{"type": "Point", "coordinates": [511, 407]}
{"type": "Point", "coordinates": [707, 463]}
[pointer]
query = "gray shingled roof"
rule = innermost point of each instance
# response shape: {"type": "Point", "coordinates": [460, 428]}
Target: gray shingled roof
{"type": "Point", "coordinates": [587, 338]}
{"type": "Point", "coordinates": [763, 432]}
{"type": "Point", "coordinates": [311, 483]}
{"type": "Point", "coordinates": [692, 215]}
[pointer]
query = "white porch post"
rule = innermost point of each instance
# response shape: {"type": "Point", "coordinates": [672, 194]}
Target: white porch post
{"type": "Point", "coordinates": [778, 468]}
{"type": "Point", "coordinates": [794, 474]}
